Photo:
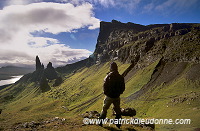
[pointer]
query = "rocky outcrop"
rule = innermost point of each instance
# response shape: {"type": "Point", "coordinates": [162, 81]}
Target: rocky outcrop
{"type": "Point", "coordinates": [91, 114]}
{"type": "Point", "coordinates": [50, 72]}
{"type": "Point", "coordinates": [38, 63]}
{"type": "Point", "coordinates": [41, 125]}
{"type": "Point", "coordinates": [42, 76]}
{"type": "Point", "coordinates": [107, 27]}
{"type": "Point", "coordinates": [126, 112]}
{"type": "Point", "coordinates": [142, 45]}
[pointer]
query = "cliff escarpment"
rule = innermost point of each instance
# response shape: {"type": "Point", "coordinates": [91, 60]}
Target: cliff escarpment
{"type": "Point", "coordinates": [134, 43]}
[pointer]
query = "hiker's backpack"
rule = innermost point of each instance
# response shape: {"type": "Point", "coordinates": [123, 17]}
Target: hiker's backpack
{"type": "Point", "coordinates": [114, 85]}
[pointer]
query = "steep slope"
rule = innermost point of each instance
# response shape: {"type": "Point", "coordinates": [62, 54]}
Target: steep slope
{"type": "Point", "coordinates": [160, 64]}
{"type": "Point", "coordinates": [80, 91]}
{"type": "Point", "coordinates": [166, 91]}
{"type": "Point", "coordinates": [173, 42]}
{"type": "Point", "coordinates": [163, 79]}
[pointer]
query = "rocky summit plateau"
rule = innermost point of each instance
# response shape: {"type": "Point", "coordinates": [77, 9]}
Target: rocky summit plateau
{"type": "Point", "coordinates": [161, 67]}
{"type": "Point", "coordinates": [134, 43]}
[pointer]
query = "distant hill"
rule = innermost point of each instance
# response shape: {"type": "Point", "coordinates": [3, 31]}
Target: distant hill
{"type": "Point", "coordinates": [8, 71]}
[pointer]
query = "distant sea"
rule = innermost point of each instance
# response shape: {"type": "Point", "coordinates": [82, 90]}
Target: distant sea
{"type": "Point", "coordinates": [10, 81]}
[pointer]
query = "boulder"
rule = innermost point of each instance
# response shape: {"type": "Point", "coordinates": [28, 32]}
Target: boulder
{"type": "Point", "coordinates": [128, 112]}
{"type": "Point", "coordinates": [91, 114]}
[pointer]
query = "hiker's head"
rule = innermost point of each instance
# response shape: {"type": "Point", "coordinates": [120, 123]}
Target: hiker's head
{"type": "Point", "coordinates": [113, 67]}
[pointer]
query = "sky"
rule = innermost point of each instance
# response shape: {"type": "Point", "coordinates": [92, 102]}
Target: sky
{"type": "Point", "coordinates": [66, 31]}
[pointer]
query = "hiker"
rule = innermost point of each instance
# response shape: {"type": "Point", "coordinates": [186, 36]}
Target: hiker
{"type": "Point", "coordinates": [113, 86]}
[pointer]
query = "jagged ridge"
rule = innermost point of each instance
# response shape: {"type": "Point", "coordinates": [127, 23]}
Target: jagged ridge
{"type": "Point", "coordinates": [132, 42]}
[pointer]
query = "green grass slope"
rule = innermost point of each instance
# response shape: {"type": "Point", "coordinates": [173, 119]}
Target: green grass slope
{"type": "Point", "coordinates": [173, 95]}
{"type": "Point", "coordinates": [81, 91]}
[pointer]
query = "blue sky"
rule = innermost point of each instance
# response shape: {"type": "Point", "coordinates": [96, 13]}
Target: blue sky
{"type": "Point", "coordinates": [65, 31]}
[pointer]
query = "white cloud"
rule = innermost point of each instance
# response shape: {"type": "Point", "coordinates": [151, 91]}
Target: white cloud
{"type": "Point", "coordinates": [50, 17]}
{"type": "Point", "coordinates": [73, 37]}
{"type": "Point", "coordinates": [17, 22]}
{"type": "Point", "coordinates": [169, 6]}
{"type": "Point", "coordinates": [17, 2]}
{"type": "Point", "coordinates": [107, 3]}
{"type": "Point", "coordinates": [148, 8]}
{"type": "Point", "coordinates": [38, 42]}
{"type": "Point", "coordinates": [126, 4]}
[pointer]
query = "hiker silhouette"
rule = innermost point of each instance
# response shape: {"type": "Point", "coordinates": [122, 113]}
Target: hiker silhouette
{"type": "Point", "coordinates": [113, 87]}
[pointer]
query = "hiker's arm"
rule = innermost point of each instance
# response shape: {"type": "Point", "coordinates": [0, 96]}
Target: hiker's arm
{"type": "Point", "coordinates": [122, 86]}
{"type": "Point", "coordinates": [105, 85]}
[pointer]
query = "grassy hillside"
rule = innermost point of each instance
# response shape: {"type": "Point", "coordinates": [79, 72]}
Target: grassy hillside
{"type": "Point", "coordinates": [81, 91]}
{"type": "Point", "coordinates": [177, 98]}
{"type": "Point", "coordinates": [162, 81]}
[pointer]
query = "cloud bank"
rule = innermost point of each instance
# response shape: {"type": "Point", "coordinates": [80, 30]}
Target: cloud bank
{"type": "Point", "coordinates": [126, 4]}
{"type": "Point", "coordinates": [141, 6]}
{"type": "Point", "coordinates": [167, 7]}
{"type": "Point", "coordinates": [18, 22]}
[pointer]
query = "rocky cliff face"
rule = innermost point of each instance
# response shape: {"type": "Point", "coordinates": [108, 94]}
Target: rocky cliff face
{"type": "Point", "coordinates": [38, 63]}
{"type": "Point", "coordinates": [140, 44]}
